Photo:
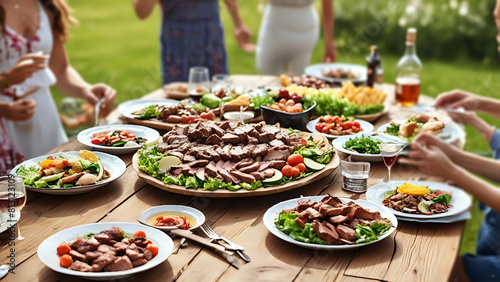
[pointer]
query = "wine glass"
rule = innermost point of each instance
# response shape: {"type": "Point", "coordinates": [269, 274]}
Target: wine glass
{"type": "Point", "coordinates": [221, 82]}
{"type": "Point", "coordinates": [199, 83]}
{"type": "Point", "coordinates": [12, 200]}
{"type": "Point", "coordinates": [390, 152]}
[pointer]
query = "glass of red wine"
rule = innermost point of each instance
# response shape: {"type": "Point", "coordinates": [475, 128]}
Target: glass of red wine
{"type": "Point", "coordinates": [12, 201]}
{"type": "Point", "coordinates": [390, 152]}
{"type": "Point", "coordinates": [199, 83]}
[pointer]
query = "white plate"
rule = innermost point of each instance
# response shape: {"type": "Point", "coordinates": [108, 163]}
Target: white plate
{"type": "Point", "coordinates": [450, 133]}
{"type": "Point", "coordinates": [151, 213]}
{"type": "Point", "coordinates": [272, 214]}
{"type": "Point", "coordinates": [12, 221]}
{"type": "Point", "coordinates": [358, 70]}
{"type": "Point", "coordinates": [86, 135]}
{"type": "Point", "coordinates": [127, 108]}
{"type": "Point", "coordinates": [460, 201]}
{"type": "Point", "coordinates": [366, 126]}
{"type": "Point", "coordinates": [114, 165]}
{"type": "Point", "coordinates": [48, 255]}
{"type": "Point", "coordinates": [339, 145]}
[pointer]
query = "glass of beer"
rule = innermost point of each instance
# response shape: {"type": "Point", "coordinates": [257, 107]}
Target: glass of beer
{"type": "Point", "coordinates": [199, 83]}
{"type": "Point", "coordinates": [407, 90]}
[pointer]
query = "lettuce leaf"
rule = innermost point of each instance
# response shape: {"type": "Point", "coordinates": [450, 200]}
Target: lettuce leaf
{"type": "Point", "coordinates": [29, 174]}
{"type": "Point", "coordinates": [286, 224]}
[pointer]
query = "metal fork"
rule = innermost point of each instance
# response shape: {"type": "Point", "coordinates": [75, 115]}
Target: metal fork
{"type": "Point", "coordinates": [237, 248]}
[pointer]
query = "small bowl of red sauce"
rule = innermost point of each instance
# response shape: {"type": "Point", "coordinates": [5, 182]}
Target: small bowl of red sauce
{"type": "Point", "coordinates": [170, 217]}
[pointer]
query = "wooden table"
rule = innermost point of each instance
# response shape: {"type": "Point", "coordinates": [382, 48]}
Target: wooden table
{"type": "Point", "coordinates": [414, 252]}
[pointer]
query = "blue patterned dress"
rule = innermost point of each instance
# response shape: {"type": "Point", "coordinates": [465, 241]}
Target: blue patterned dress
{"type": "Point", "coordinates": [191, 35]}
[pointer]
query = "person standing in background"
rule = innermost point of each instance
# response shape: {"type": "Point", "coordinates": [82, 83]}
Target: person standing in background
{"type": "Point", "coordinates": [288, 34]}
{"type": "Point", "coordinates": [41, 26]}
{"type": "Point", "coordinates": [192, 35]}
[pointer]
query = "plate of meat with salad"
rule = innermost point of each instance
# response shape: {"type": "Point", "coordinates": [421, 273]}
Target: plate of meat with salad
{"type": "Point", "coordinates": [230, 159]}
{"type": "Point", "coordinates": [330, 223]}
{"type": "Point", "coordinates": [68, 173]}
{"type": "Point", "coordinates": [105, 250]}
{"type": "Point", "coordinates": [406, 130]}
{"type": "Point", "coordinates": [118, 138]}
{"type": "Point", "coordinates": [336, 126]}
{"type": "Point", "coordinates": [162, 114]}
{"type": "Point", "coordinates": [420, 199]}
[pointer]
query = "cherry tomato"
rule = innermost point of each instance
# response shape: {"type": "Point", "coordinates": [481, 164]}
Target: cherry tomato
{"type": "Point", "coordinates": [356, 123]}
{"type": "Point", "coordinates": [303, 142]}
{"type": "Point", "coordinates": [337, 119]}
{"type": "Point", "coordinates": [287, 171]}
{"type": "Point", "coordinates": [295, 171]}
{"type": "Point", "coordinates": [320, 126]}
{"type": "Point", "coordinates": [354, 128]}
{"type": "Point", "coordinates": [295, 159]}
{"type": "Point", "coordinates": [301, 167]}
{"type": "Point", "coordinates": [348, 124]}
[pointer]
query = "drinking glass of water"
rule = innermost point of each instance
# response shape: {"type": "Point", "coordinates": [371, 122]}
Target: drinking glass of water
{"type": "Point", "coordinates": [355, 176]}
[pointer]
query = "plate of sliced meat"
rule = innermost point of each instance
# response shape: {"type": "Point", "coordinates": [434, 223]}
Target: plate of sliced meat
{"type": "Point", "coordinates": [228, 159]}
{"type": "Point", "coordinates": [330, 223]}
{"type": "Point", "coordinates": [105, 250]}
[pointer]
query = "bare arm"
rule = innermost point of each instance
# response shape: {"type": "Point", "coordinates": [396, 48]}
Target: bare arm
{"type": "Point", "coordinates": [485, 167]}
{"type": "Point", "coordinates": [143, 8]}
{"type": "Point", "coordinates": [328, 21]}
{"type": "Point", "coordinates": [484, 191]}
{"type": "Point", "coordinates": [496, 14]}
{"type": "Point", "coordinates": [241, 32]}
{"type": "Point", "coordinates": [71, 83]}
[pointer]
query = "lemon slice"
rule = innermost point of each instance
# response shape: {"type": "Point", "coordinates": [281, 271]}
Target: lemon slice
{"type": "Point", "coordinates": [168, 162]}
{"type": "Point", "coordinates": [88, 155]}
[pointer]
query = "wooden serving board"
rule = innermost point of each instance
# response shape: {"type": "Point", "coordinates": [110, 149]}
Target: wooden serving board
{"type": "Point", "coordinates": [222, 193]}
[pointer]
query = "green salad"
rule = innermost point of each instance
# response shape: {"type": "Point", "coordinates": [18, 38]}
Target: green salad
{"type": "Point", "coordinates": [363, 145]}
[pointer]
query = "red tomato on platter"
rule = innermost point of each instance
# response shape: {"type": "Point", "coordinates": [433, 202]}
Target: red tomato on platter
{"type": "Point", "coordinates": [287, 171]}
{"type": "Point", "coordinates": [295, 159]}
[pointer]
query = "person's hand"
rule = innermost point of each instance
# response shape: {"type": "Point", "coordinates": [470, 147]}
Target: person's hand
{"type": "Point", "coordinates": [94, 93]}
{"type": "Point", "coordinates": [25, 68]}
{"type": "Point", "coordinates": [243, 35]}
{"type": "Point", "coordinates": [330, 55]}
{"type": "Point", "coordinates": [463, 117]}
{"type": "Point", "coordinates": [458, 99]}
{"type": "Point", "coordinates": [429, 160]}
{"type": "Point", "coordinates": [429, 140]}
{"type": "Point", "coordinates": [19, 110]}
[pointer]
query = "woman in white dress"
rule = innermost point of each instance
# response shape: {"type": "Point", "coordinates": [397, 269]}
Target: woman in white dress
{"type": "Point", "coordinates": [288, 33]}
{"type": "Point", "coordinates": [34, 26]}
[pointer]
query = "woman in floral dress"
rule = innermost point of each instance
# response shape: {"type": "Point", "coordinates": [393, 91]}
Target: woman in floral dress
{"type": "Point", "coordinates": [34, 26]}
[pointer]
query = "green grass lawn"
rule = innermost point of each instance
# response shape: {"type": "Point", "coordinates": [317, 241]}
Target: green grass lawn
{"type": "Point", "coordinates": [111, 45]}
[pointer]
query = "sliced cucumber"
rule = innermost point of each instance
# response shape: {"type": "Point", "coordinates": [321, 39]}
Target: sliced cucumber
{"type": "Point", "coordinates": [312, 165]}
{"type": "Point", "coordinates": [275, 179]}
{"type": "Point", "coordinates": [51, 178]}
{"type": "Point", "coordinates": [168, 162]}
{"type": "Point", "coordinates": [318, 152]}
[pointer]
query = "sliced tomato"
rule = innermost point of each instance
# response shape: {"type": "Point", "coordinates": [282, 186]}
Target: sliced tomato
{"type": "Point", "coordinates": [319, 126]}
{"type": "Point", "coordinates": [356, 123]}
{"type": "Point", "coordinates": [303, 142]}
{"type": "Point", "coordinates": [329, 119]}
{"type": "Point", "coordinates": [96, 141]}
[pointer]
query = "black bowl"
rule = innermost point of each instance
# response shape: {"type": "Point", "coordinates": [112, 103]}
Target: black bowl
{"type": "Point", "coordinates": [293, 120]}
